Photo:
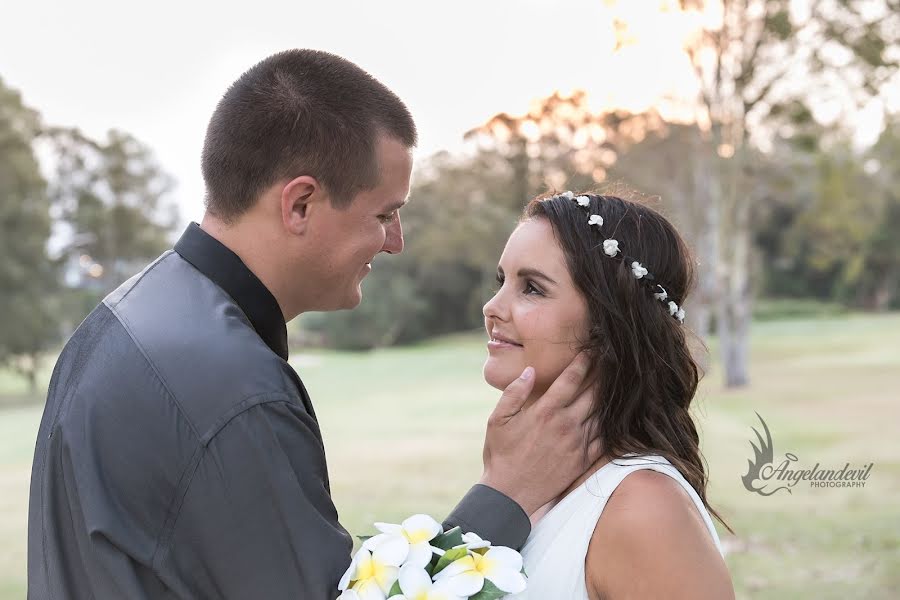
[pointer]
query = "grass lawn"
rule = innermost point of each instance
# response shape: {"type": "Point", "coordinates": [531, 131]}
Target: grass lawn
{"type": "Point", "coordinates": [403, 428]}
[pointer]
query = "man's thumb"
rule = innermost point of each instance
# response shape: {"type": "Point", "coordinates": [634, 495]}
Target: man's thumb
{"type": "Point", "coordinates": [515, 394]}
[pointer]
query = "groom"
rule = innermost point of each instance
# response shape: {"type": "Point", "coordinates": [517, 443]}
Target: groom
{"type": "Point", "coordinates": [179, 454]}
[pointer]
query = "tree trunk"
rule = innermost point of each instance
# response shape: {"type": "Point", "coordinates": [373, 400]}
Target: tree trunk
{"type": "Point", "coordinates": [706, 226]}
{"type": "Point", "coordinates": [736, 302]}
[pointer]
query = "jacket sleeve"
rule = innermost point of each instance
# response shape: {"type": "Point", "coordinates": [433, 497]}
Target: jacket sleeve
{"type": "Point", "coordinates": [256, 519]}
{"type": "Point", "coordinates": [493, 516]}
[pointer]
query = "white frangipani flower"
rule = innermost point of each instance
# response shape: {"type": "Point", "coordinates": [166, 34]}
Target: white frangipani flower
{"type": "Point", "coordinates": [500, 565]}
{"type": "Point", "coordinates": [638, 269]}
{"type": "Point", "coordinates": [348, 594]}
{"type": "Point", "coordinates": [583, 200]}
{"type": "Point", "coordinates": [473, 542]}
{"type": "Point", "coordinates": [673, 308]}
{"type": "Point", "coordinates": [372, 573]}
{"type": "Point", "coordinates": [611, 247]}
{"type": "Point", "coordinates": [595, 220]}
{"type": "Point", "coordinates": [414, 534]}
{"type": "Point", "coordinates": [661, 295]}
{"type": "Point", "coordinates": [569, 195]}
{"type": "Point", "coordinates": [680, 315]}
{"type": "Point", "coordinates": [416, 584]}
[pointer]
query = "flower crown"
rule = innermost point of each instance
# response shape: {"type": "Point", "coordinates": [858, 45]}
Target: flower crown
{"type": "Point", "coordinates": [611, 249]}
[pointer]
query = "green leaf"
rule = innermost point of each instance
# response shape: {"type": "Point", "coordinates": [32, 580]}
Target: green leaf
{"type": "Point", "coordinates": [448, 539]}
{"type": "Point", "coordinates": [395, 589]}
{"type": "Point", "coordinates": [488, 592]}
{"type": "Point", "coordinates": [449, 557]}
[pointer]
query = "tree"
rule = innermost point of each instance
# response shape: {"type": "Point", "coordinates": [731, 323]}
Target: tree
{"type": "Point", "coordinates": [871, 276]}
{"type": "Point", "coordinates": [111, 194]}
{"type": "Point", "coordinates": [760, 65]}
{"type": "Point", "coordinates": [27, 275]}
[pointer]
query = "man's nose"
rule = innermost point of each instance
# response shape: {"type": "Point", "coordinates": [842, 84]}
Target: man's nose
{"type": "Point", "coordinates": [393, 239]}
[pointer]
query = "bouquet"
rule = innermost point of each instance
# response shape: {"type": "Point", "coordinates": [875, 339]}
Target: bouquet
{"type": "Point", "coordinates": [418, 560]}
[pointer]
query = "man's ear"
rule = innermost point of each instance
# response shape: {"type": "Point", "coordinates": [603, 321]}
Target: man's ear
{"type": "Point", "coordinates": [298, 197]}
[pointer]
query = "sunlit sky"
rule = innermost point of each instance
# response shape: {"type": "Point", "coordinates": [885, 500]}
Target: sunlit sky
{"type": "Point", "coordinates": [157, 69]}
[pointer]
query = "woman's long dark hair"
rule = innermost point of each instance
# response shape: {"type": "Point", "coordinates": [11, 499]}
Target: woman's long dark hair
{"type": "Point", "coordinates": [646, 375]}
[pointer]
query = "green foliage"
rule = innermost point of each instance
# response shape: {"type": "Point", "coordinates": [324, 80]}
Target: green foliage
{"type": "Point", "coordinates": [448, 557]}
{"type": "Point", "coordinates": [449, 539]}
{"type": "Point", "coordinates": [111, 195]}
{"type": "Point", "coordinates": [391, 310]}
{"type": "Point", "coordinates": [834, 237]}
{"type": "Point", "coordinates": [28, 278]}
{"type": "Point", "coordinates": [488, 592]}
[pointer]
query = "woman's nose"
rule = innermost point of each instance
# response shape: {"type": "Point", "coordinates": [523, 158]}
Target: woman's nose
{"type": "Point", "coordinates": [494, 307]}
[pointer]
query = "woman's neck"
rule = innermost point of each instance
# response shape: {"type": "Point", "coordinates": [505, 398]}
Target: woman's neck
{"type": "Point", "coordinates": [593, 468]}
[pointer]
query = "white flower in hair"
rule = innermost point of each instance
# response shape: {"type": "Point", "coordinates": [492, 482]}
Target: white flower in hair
{"type": "Point", "coordinates": [661, 295]}
{"type": "Point", "coordinates": [638, 269]}
{"type": "Point", "coordinates": [611, 247]}
{"type": "Point", "coordinates": [595, 220]}
{"type": "Point", "coordinates": [673, 308]}
{"type": "Point", "coordinates": [568, 195]}
{"type": "Point", "coordinates": [583, 200]}
{"type": "Point", "coordinates": [680, 315]}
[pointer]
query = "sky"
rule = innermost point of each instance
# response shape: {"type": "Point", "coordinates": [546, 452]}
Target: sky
{"type": "Point", "coordinates": [157, 69]}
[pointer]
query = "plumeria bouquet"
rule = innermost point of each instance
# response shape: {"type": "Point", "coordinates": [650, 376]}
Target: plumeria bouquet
{"type": "Point", "coordinates": [418, 560]}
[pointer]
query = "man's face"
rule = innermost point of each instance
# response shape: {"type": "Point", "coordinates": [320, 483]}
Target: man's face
{"type": "Point", "coordinates": [351, 237]}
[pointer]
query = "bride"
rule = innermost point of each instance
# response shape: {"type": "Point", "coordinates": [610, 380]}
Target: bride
{"type": "Point", "coordinates": [607, 277]}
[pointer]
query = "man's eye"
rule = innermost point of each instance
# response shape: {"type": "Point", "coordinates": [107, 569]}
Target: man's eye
{"type": "Point", "coordinates": [388, 218]}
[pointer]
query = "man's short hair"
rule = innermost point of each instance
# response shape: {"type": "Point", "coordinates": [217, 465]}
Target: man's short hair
{"type": "Point", "coordinates": [299, 112]}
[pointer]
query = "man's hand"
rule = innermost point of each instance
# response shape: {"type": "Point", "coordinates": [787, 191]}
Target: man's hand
{"type": "Point", "coordinates": [532, 454]}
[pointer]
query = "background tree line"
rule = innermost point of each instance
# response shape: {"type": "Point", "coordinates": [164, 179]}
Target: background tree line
{"type": "Point", "coordinates": [773, 202]}
{"type": "Point", "coordinates": [101, 205]}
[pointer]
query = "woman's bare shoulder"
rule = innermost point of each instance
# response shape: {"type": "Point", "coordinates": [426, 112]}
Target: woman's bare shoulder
{"type": "Point", "coordinates": [651, 541]}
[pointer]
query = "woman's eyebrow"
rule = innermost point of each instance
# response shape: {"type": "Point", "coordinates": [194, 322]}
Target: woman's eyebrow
{"type": "Point", "coordinates": [530, 272]}
{"type": "Point", "coordinates": [534, 273]}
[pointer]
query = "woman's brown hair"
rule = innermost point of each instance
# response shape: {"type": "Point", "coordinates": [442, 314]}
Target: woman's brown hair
{"type": "Point", "coordinates": [646, 374]}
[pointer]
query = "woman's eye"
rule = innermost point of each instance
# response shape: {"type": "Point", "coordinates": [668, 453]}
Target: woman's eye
{"type": "Point", "coordinates": [499, 281]}
{"type": "Point", "coordinates": [531, 289]}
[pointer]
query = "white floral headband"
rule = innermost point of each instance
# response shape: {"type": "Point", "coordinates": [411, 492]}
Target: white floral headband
{"type": "Point", "coordinates": [611, 249]}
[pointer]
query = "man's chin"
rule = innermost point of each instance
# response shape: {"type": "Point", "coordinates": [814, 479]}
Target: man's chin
{"type": "Point", "coordinates": [353, 300]}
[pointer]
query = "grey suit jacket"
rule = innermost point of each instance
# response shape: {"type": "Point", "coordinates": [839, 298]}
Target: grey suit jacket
{"type": "Point", "coordinates": [179, 454]}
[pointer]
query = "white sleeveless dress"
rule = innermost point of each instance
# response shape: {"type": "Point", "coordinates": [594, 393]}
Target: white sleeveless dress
{"type": "Point", "coordinates": [555, 551]}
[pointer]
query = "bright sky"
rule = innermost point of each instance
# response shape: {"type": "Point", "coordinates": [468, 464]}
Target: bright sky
{"type": "Point", "coordinates": [157, 69]}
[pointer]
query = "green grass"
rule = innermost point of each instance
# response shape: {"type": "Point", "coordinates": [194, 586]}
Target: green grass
{"type": "Point", "coordinates": [404, 428]}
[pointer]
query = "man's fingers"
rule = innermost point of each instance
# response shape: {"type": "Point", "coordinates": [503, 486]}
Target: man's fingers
{"type": "Point", "coordinates": [515, 395]}
{"type": "Point", "coordinates": [593, 452]}
{"type": "Point", "coordinates": [564, 390]}
{"type": "Point", "coordinates": [582, 408]}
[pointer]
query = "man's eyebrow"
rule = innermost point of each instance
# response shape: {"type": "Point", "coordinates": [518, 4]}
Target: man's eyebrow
{"type": "Point", "coordinates": [396, 206]}
{"type": "Point", "coordinates": [530, 272]}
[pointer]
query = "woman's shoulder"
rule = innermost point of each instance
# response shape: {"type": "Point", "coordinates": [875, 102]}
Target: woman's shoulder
{"type": "Point", "coordinates": [650, 534]}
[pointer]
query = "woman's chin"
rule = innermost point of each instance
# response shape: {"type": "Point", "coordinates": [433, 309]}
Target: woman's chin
{"type": "Point", "coordinates": [497, 376]}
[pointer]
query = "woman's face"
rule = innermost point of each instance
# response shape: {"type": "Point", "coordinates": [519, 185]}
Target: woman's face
{"type": "Point", "coordinates": [537, 317]}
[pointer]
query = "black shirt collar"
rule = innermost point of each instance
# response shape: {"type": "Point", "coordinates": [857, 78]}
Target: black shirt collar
{"type": "Point", "coordinates": [228, 271]}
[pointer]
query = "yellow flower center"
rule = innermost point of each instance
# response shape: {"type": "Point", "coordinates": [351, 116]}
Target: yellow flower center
{"type": "Point", "coordinates": [484, 565]}
{"type": "Point", "coordinates": [416, 536]}
{"type": "Point", "coordinates": [370, 571]}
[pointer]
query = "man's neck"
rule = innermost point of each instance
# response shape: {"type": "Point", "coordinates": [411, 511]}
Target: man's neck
{"type": "Point", "coordinates": [251, 247]}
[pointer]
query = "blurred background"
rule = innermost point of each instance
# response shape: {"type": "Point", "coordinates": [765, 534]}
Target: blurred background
{"type": "Point", "coordinates": [768, 131]}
